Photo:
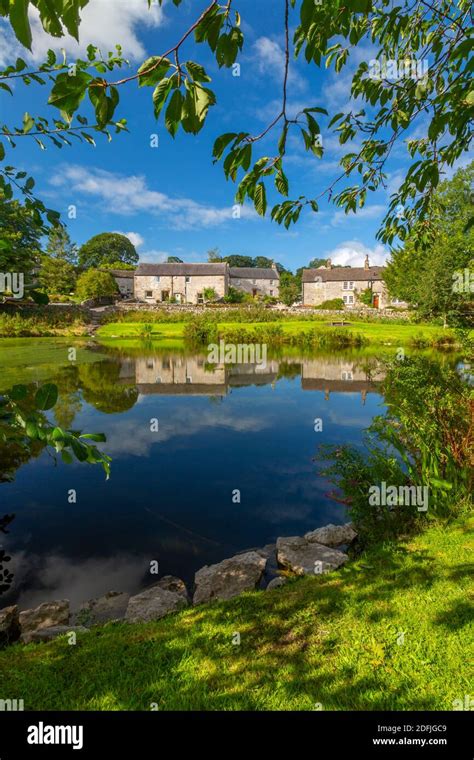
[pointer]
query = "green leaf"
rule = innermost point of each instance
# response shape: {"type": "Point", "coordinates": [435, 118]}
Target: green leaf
{"type": "Point", "coordinates": [152, 71]}
{"type": "Point", "coordinates": [66, 457]}
{"type": "Point", "coordinates": [97, 437]}
{"type": "Point", "coordinates": [174, 112]}
{"type": "Point", "coordinates": [69, 91]}
{"type": "Point", "coordinates": [160, 95]}
{"type": "Point", "coordinates": [197, 72]}
{"type": "Point", "coordinates": [19, 21]}
{"type": "Point", "coordinates": [260, 199]}
{"type": "Point", "coordinates": [221, 144]}
{"type": "Point", "coordinates": [46, 397]}
{"type": "Point", "coordinates": [18, 392]}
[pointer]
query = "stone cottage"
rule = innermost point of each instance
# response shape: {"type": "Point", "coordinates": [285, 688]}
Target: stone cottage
{"type": "Point", "coordinates": [328, 282]}
{"type": "Point", "coordinates": [125, 281]}
{"type": "Point", "coordinates": [184, 283]}
{"type": "Point", "coordinates": [258, 281]}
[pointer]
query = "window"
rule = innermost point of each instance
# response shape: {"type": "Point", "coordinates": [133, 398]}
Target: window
{"type": "Point", "coordinates": [157, 278]}
{"type": "Point", "coordinates": [271, 292]}
{"type": "Point", "coordinates": [348, 299]}
{"type": "Point", "coordinates": [150, 363]}
{"type": "Point", "coordinates": [348, 285]}
{"type": "Point", "coordinates": [158, 380]}
{"type": "Point", "coordinates": [271, 282]}
{"type": "Point", "coordinates": [254, 282]}
{"type": "Point", "coordinates": [148, 294]}
{"type": "Point", "coordinates": [189, 380]}
{"type": "Point", "coordinates": [346, 375]}
{"type": "Point", "coordinates": [187, 279]}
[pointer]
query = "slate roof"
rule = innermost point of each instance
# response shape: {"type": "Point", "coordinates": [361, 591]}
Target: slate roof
{"type": "Point", "coordinates": [254, 273]}
{"type": "Point", "coordinates": [177, 270]}
{"type": "Point", "coordinates": [340, 274]}
{"type": "Point", "coordinates": [128, 273]}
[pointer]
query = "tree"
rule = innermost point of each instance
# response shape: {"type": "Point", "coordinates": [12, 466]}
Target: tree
{"type": "Point", "coordinates": [106, 248]}
{"type": "Point", "coordinates": [213, 256]}
{"type": "Point", "coordinates": [209, 294]}
{"type": "Point", "coordinates": [95, 284]}
{"type": "Point", "coordinates": [236, 260]}
{"type": "Point", "coordinates": [20, 237]}
{"type": "Point", "coordinates": [439, 280]}
{"type": "Point", "coordinates": [174, 260]}
{"type": "Point", "coordinates": [290, 288]}
{"type": "Point", "coordinates": [59, 245]}
{"type": "Point", "coordinates": [394, 92]}
{"type": "Point", "coordinates": [118, 265]}
{"type": "Point", "coordinates": [57, 276]}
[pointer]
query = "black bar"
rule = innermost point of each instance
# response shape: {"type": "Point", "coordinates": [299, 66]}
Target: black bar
{"type": "Point", "coordinates": [133, 734]}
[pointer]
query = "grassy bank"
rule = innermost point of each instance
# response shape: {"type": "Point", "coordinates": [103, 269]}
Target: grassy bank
{"type": "Point", "coordinates": [333, 641]}
{"type": "Point", "coordinates": [293, 332]}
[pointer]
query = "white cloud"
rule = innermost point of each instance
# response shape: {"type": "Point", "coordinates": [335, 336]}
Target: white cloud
{"type": "Point", "coordinates": [367, 212]}
{"type": "Point", "coordinates": [153, 256]}
{"type": "Point", "coordinates": [134, 237]}
{"type": "Point", "coordinates": [270, 60]}
{"type": "Point", "coordinates": [129, 195]}
{"type": "Point", "coordinates": [104, 23]}
{"type": "Point", "coordinates": [352, 253]}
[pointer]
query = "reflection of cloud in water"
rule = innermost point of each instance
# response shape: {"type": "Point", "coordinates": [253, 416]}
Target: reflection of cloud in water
{"type": "Point", "coordinates": [59, 577]}
{"type": "Point", "coordinates": [130, 436]}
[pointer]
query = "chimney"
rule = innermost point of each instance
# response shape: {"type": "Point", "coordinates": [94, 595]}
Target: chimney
{"type": "Point", "coordinates": [366, 263]}
{"type": "Point", "coordinates": [329, 264]}
{"type": "Point", "coordinates": [274, 266]}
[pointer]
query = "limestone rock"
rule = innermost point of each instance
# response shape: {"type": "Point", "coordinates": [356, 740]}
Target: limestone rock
{"type": "Point", "coordinates": [157, 601]}
{"type": "Point", "coordinates": [308, 558]}
{"type": "Point", "coordinates": [332, 535]}
{"type": "Point", "coordinates": [47, 615]}
{"type": "Point", "coordinates": [47, 634]}
{"type": "Point", "coordinates": [9, 625]}
{"type": "Point", "coordinates": [277, 582]}
{"type": "Point", "coordinates": [111, 606]}
{"type": "Point", "coordinates": [229, 578]}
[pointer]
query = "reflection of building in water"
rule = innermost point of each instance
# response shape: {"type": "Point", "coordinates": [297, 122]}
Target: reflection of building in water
{"type": "Point", "coordinates": [338, 375]}
{"type": "Point", "coordinates": [189, 375]}
{"type": "Point", "coordinates": [174, 374]}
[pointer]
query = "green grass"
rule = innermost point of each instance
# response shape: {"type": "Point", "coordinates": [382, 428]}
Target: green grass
{"type": "Point", "coordinates": [394, 334]}
{"type": "Point", "coordinates": [328, 639]}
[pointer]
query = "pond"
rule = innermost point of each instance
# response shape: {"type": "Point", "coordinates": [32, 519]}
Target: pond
{"type": "Point", "coordinates": [208, 460]}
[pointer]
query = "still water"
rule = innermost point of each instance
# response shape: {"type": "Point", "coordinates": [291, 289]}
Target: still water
{"type": "Point", "coordinates": [188, 440]}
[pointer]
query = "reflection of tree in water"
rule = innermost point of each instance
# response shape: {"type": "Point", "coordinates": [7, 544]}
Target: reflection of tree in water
{"type": "Point", "coordinates": [6, 577]}
{"type": "Point", "coordinates": [68, 404]}
{"type": "Point", "coordinates": [103, 388]}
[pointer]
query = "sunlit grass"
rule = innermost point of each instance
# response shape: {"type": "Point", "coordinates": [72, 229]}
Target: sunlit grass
{"type": "Point", "coordinates": [390, 631]}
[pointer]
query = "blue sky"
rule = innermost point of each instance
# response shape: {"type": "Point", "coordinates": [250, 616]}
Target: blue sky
{"type": "Point", "coordinates": [171, 200]}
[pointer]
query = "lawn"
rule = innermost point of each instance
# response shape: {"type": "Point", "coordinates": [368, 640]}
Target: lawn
{"type": "Point", "coordinates": [390, 631]}
{"type": "Point", "coordinates": [386, 333]}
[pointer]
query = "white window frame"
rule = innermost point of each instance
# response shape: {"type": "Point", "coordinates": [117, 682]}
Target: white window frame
{"type": "Point", "coordinates": [150, 292]}
{"type": "Point", "coordinates": [348, 298]}
{"type": "Point", "coordinates": [187, 278]}
{"type": "Point", "coordinates": [348, 285]}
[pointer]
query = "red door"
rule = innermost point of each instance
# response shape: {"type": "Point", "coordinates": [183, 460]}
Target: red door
{"type": "Point", "coordinates": [376, 301]}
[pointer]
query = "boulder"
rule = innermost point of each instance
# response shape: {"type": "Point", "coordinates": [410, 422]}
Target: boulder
{"type": "Point", "coordinates": [111, 606]}
{"type": "Point", "coordinates": [277, 582]}
{"type": "Point", "coordinates": [229, 578]}
{"type": "Point", "coordinates": [9, 626]}
{"type": "Point", "coordinates": [332, 535]}
{"type": "Point", "coordinates": [308, 558]}
{"type": "Point", "coordinates": [47, 615]}
{"type": "Point", "coordinates": [168, 595]}
{"type": "Point", "coordinates": [47, 634]}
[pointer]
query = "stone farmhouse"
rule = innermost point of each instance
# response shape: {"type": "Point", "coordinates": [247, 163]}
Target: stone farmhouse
{"type": "Point", "coordinates": [328, 282]}
{"type": "Point", "coordinates": [187, 283]}
{"type": "Point", "coordinates": [124, 279]}
{"type": "Point", "coordinates": [256, 280]}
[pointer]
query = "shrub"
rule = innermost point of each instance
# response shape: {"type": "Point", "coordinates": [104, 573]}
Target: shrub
{"type": "Point", "coordinates": [209, 294]}
{"type": "Point", "coordinates": [95, 284]}
{"type": "Point", "coordinates": [200, 330]}
{"type": "Point", "coordinates": [332, 304]}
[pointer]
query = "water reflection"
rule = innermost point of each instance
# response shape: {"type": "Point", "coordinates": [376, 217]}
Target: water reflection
{"type": "Point", "coordinates": [221, 427]}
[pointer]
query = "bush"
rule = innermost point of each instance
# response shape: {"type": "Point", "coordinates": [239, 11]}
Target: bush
{"type": "Point", "coordinates": [332, 304]}
{"type": "Point", "coordinates": [95, 284]}
{"type": "Point", "coordinates": [200, 330]}
{"type": "Point", "coordinates": [234, 296]}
